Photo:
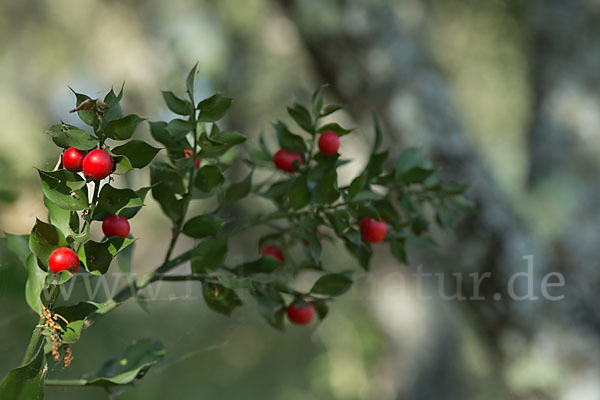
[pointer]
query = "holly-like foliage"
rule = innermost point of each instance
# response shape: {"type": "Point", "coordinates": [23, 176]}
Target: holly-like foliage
{"type": "Point", "coordinates": [200, 160]}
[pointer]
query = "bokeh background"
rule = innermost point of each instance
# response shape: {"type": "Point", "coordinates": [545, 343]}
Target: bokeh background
{"type": "Point", "coordinates": [503, 94]}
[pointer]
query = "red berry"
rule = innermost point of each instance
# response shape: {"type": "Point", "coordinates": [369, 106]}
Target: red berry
{"type": "Point", "coordinates": [373, 231]}
{"type": "Point", "coordinates": [300, 313]}
{"type": "Point", "coordinates": [329, 143]}
{"type": "Point", "coordinates": [115, 226]}
{"type": "Point", "coordinates": [273, 251]}
{"type": "Point", "coordinates": [72, 159]}
{"type": "Point", "coordinates": [97, 164]}
{"type": "Point", "coordinates": [63, 259]}
{"type": "Point", "coordinates": [284, 160]}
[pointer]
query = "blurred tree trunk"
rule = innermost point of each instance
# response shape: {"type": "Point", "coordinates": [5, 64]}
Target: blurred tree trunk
{"type": "Point", "coordinates": [377, 60]}
{"type": "Point", "coordinates": [564, 141]}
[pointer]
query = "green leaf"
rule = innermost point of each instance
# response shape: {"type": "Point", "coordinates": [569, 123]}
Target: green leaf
{"type": "Point", "coordinates": [61, 218]}
{"type": "Point", "coordinates": [334, 126]}
{"type": "Point", "coordinates": [178, 128]}
{"type": "Point", "coordinates": [326, 191]}
{"type": "Point", "coordinates": [265, 265]}
{"type": "Point", "coordinates": [135, 362]}
{"type": "Point", "coordinates": [229, 137]}
{"type": "Point", "coordinates": [299, 193]}
{"type": "Point", "coordinates": [176, 146]}
{"type": "Point", "coordinates": [114, 110]}
{"type": "Point", "coordinates": [138, 152]}
{"type": "Point", "coordinates": [166, 183]}
{"type": "Point", "coordinates": [18, 245]}
{"type": "Point", "coordinates": [308, 230]}
{"type": "Point", "coordinates": [322, 308]}
{"type": "Point", "coordinates": [26, 382]}
{"type": "Point", "coordinates": [213, 108]}
{"type": "Point", "coordinates": [203, 226]}
{"type": "Point", "coordinates": [219, 298]}
{"type": "Point", "coordinates": [378, 135]}
{"type": "Point", "coordinates": [238, 191]}
{"type": "Point", "coordinates": [123, 128]}
{"type": "Point", "coordinates": [278, 191]}
{"type": "Point", "coordinates": [409, 159]}
{"type": "Point", "coordinates": [289, 140]}
{"type": "Point", "coordinates": [420, 241]}
{"type": "Point", "coordinates": [330, 109]}
{"type": "Point", "coordinates": [209, 255]}
{"type": "Point", "coordinates": [416, 175]}
{"type": "Point", "coordinates": [302, 117]}
{"type": "Point", "coordinates": [97, 257]}
{"type": "Point", "coordinates": [44, 239]}
{"type": "Point", "coordinates": [64, 188]}
{"type": "Point", "coordinates": [76, 315]}
{"type": "Point", "coordinates": [208, 178]}
{"type": "Point", "coordinates": [375, 164]}
{"type": "Point", "coordinates": [399, 251]}
{"type": "Point", "coordinates": [317, 100]}
{"type": "Point", "coordinates": [64, 135]}
{"type": "Point", "coordinates": [35, 284]}
{"type": "Point", "coordinates": [189, 82]}
{"type": "Point", "coordinates": [357, 185]}
{"type": "Point", "coordinates": [332, 284]}
{"type": "Point", "coordinates": [87, 116]}
{"type": "Point", "coordinates": [361, 252]}
{"type": "Point", "coordinates": [272, 309]}
{"type": "Point", "coordinates": [113, 201]}
{"type": "Point", "coordinates": [177, 104]}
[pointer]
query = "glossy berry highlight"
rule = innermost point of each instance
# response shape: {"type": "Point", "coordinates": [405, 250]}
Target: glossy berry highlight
{"type": "Point", "coordinates": [72, 159]}
{"type": "Point", "coordinates": [300, 312]}
{"type": "Point", "coordinates": [373, 231]}
{"type": "Point", "coordinates": [115, 226]}
{"type": "Point", "coordinates": [97, 164]}
{"type": "Point", "coordinates": [273, 251]}
{"type": "Point", "coordinates": [329, 143]}
{"type": "Point", "coordinates": [284, 160]}
{"type": "Point", "coordinates": [63, 259]}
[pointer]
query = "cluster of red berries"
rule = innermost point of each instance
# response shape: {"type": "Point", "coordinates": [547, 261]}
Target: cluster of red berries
{"type": "Point", "coordinates": [329, 143]}
{"type": "Point", "coordinates": [188, 153]}
{"type": "Point", "coordinates": [96, 165]}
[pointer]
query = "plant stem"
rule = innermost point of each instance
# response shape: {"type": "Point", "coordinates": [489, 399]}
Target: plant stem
{"type": "Point", "coordinates": [32, 347]}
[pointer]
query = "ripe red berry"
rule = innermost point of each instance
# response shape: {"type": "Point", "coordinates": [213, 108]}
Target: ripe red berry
{"type": "Point", "coordinates": [329, 143]}
{"type": "Point", "coordinates": [300, 313]}
{"type": "Point", "coordinates": [373, 231]}
{"type": "Point", "coordinates": [115, 226]}
{"type": "Point", "coordinates": [63, 259]}
{"type": "Point", "coordinates": [284, 160]}
{"type": "Point", "coordinates": [273, 251]}
{"type": "Point", "coordinates": [72, 159]}
{"type": "Point", "coordinates": [97, 164]}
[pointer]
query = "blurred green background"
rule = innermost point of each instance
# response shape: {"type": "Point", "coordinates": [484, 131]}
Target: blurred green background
{"type": "Point", "coordinates": [502, 93]}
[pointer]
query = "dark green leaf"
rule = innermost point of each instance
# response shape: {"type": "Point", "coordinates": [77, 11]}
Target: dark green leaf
{"type": "Point", "coordinates": [289, 140]}
{"type": "Point", "coordinates": [35, 284]}
{"type": "Point", "coordinates": [409, 159]}
{"type": "Point", "coordinates": [64, 188]}
{"type": "Point", "coordinates": [213, 108]}
{"type": "Point", "coordinates": [44, 239]}
{"type": "Point", "coordinates": [334, 126]}
{"type": "Point", "coordinates": [238, 191]}
{"type": "Point", "coordinates": [87, 116]}
{"type": "Point", "coordinates": [322, 308]}
{"type": "Point", "coordinates": [177, 104]}
{"type": "Point", "coordinates": [357, 185]}
{"type": "Point", "coordinates": [173, 145]}
{"type": "Point", "coordinates": [26, 382]}
{"type": "Point", "coordinates": [362, 252]}
{"type": "Point", "coordinates": [113, 201]}
{"type": "Point", "coordinates": [133, 364]}
{"type": "Point", "coordinates": [203, 225]}
{"type": "Point", "coordinates": [299, 193]}
{"type": "Point", "coordinates": [399, 251]}
{"type": "Point", "coordinates": [123, 128]}
{"type": "Point", "coordinates": [208, 178]}
{"type": "Point", "coordinates": [332, 284]}
{"type": "Point", "coordinates": [326, 191]}
{"type": "Point", "coordinates": [178, 128]}
{"type": "Point", "coordinates": [378, 135]}
{"type": "Point", "coordinates": [219, 298]}
{"type": "Point", "coordinates": [64, 135]}
{"type": "Point", "coordinates": [76, 315]}
{"type": "Point", "coordinates": [229, 137]}
{"type": "Point", "coordinates": [271, 308]}
{"type": "Point", "coordinates": [266, 265]}
{"type": "Point", "coordinates": [189, 82]}
{"type": "Point", "coordinates": [302, 117]}
{"type": "Point", "coordinates": [97, 257]}
{"type": "Point", "coordinates": [330, 109]}
{"type": "Point", "coordinates": [375, 165]}
{"type": "Point", "coordinates": [139, 153]}
{"type": "Point", "coordinates": [209, 255]}
{"type": "Point", "coordinates": [416, 175]}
